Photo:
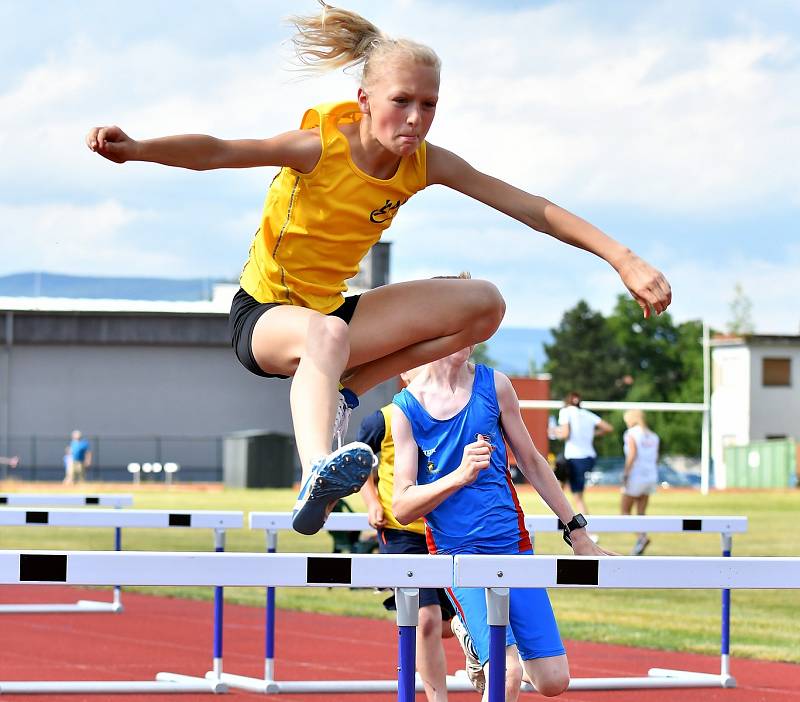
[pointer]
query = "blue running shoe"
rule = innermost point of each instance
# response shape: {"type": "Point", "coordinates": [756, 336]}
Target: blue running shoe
{"type": "Point", "coordinates": [339, 474]}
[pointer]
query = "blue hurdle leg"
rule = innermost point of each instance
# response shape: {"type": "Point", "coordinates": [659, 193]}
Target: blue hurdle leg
{"type": "Point", "coordinates": [407, 600]}
{"type": "Point", "coordinates": [497, 618]}
{"type": "Point", "coordinates": [269, 624]}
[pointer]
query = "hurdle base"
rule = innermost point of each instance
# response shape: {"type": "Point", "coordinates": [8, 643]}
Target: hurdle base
{"type": "Point", "coordinates": [79, 607]}
{"type": "Point", "coordinates": [210, 683]}
{"type": "Point", "coordinates": [108, 687]}
{"type": "Point", "coordinates": [310, 687]}
{"type": "Point", "coordinates": [656, 678]}
{"type": "Point", "coordinates": [722, 680]}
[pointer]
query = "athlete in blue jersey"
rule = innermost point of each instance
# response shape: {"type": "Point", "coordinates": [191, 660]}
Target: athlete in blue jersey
{"type": "Point", "coordinates": [459, 414]}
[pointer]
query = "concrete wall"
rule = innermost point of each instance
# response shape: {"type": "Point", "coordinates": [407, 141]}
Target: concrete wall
{"type": "Point", "coordinates": [775, 411]}
{"type": "Point", "coordinates": [178, 389]}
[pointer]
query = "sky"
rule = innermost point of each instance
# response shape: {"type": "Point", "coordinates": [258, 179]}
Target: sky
{"type": "Point", "coordinates": [672, 125]}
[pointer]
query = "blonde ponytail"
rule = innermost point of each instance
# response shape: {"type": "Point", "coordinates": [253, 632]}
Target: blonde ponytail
{"type": "Point", "coordinates": [339, 38]}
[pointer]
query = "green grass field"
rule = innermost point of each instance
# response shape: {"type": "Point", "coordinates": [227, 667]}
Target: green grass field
{"type": "Point", "coordinates": [765, 623]}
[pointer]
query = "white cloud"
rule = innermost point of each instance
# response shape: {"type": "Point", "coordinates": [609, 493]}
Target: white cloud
{"type": "Point", "coordinates": [67, 238]}
{"type": "Point", "coordinates": [772, 287]}
{"type": "Point", "coordinates": [656, 113]}
{"type": "Point", "coordinates": [651, 116]}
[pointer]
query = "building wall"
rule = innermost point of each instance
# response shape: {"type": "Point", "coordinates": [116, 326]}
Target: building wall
{"type": "Point", "coordinates": [136, 399]}
{"type": "Point", "coordinates": [775, 411]}
{"type": "Point", "coordinates": [745, 410]}
{"type": "Point", "coordinates": [535, 419]}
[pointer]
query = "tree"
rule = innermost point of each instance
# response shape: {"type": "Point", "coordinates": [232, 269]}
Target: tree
{"type": "Point", "coordinates": [627, 357]}
{"type": "Point", "coordinates": [480, 354]}
{"type": "Point", "coordinates": [662, 363]}
{"type": "Point", "coordinates": [584, 356]}
{"type": "Point", "coordinates": [741, 312]}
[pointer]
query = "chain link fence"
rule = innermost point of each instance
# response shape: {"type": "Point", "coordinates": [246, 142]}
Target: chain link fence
{"type": "Point", "coordinates": [42, 457]}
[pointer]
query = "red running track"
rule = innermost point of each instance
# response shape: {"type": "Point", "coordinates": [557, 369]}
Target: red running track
{"type": "Point", "coordinates": [161, 634]}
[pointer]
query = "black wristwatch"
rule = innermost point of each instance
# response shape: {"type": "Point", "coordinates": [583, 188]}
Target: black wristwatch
{"type": "Point", "coordinates": [577, 522]}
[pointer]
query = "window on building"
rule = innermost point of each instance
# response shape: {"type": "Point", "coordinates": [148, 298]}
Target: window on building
{"type": "Point", "coordinates": [777, 372]}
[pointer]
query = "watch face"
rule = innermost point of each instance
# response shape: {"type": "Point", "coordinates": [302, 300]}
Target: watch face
{"type": "Point", "coordinates": [578, 521]}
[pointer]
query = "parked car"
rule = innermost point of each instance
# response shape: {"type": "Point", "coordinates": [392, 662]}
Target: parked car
{"type": "Point", "coordinates": [667, 477]}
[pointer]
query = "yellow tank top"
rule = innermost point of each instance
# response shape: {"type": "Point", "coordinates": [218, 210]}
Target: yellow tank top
{"type": "Point", "coordinates": [316, 227]}
{"type": "Point", "coordinates": [386, 478]}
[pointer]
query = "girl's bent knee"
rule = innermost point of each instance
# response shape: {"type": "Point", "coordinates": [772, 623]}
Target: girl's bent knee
{"type": "Point", "coordinates": [488, 308]}
{"type": "Point", "coordinates": [553, 685]}
{"type": "Point", "coordinates": [328, 331]}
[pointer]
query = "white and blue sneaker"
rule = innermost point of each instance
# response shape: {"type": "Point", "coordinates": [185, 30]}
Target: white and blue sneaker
{"type": "Point", "coordinates": [339, 474]}
{"type": "Point", "coordinates": [348, 401]}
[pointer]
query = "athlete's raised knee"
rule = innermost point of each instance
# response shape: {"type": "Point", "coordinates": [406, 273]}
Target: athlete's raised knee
{"type": "Point", "coordinates": [328, 336]}
{"type": "Point", "coordinates": [487, 307]}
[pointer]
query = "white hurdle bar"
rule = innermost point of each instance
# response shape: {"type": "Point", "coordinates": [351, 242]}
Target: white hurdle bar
{"type": "Point", "coordinates": [406, 573]}
{"type": "Point", "coordinates": [500, 573]}
{"type": "Point", "coordinates": [43, 499]}
{"type": "Point", "coordinates": [273, 522]}
{"type": "Point", "coordinates": [116, 519]}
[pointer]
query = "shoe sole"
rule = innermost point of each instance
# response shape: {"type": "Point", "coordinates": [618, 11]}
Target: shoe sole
{"type": "Point", "coordinates": [352, 474]}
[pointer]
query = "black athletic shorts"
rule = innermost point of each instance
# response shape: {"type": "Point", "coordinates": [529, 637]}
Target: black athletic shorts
{"type": "Point", "coordinates": [403, 541]}
{"type": "Point", "coordinates": [245, 311]}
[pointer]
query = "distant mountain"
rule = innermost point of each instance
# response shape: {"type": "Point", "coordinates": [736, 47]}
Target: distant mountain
{"type": "Point", "coordinates": [513, 348]}
{"type": "Point", "coordinates": [57, 285]}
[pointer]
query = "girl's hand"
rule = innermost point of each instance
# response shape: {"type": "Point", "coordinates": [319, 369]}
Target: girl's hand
{"type": "Point", "coordinates": [111, 143]}
{"type": "Point", "coordinates": [582, 545]}
{"type": "Point", "coordinates": [376, 516]}
{"type": "Point", "coordinates": [648, 286]}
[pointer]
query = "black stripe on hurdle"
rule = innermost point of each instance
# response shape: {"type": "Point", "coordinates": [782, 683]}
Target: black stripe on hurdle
{"type": "Point", "coordinates": [577, 572]}
{"type": "Point", "coordinates": [92, 501]}
{"type": "Point", "coordinates": [3, 500]}
{"type": "Point", "coordinates": [37, 517]}
{"type": "Point", "coordinates": [42, 567]}
{"type": "Point", "coordinates": [184, 520]}
{"type": "Point", "coordinates": [693, 525]}
{"type": "Point", "coordinates": [329, 571]}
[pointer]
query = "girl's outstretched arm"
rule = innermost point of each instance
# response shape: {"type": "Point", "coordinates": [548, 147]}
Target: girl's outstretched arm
{"type": "Point", "coordinates": [647, 285]}
{"type": "Point", "coordinates": [300, 149]}
{"type": "Point", "coordinates": [535, 468]}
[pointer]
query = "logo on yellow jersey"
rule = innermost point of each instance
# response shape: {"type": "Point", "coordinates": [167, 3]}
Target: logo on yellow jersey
{"type": "Point", "coordinates": [386, 212]}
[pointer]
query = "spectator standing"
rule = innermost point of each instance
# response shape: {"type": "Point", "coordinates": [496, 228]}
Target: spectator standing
{"type": "Point", "coordinates": [80, 452]}
{"type": "Point", "coordinates": [578, 427]}
{"type": "Point", "coordinates": [641, 446]}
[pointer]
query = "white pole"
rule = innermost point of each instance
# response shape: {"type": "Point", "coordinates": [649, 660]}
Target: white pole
{"type": "Point", "coordinates": [705, 464]}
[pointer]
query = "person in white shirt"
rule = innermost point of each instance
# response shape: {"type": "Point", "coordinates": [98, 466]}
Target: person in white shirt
{"type": "Point", "coordinates": [578, 428]}
{"type": "Point", "coordinates": [640, 478]}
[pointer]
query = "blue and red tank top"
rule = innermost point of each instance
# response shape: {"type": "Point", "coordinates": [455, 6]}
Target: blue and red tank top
{"type": "Point", "coordinates": [484, 517]}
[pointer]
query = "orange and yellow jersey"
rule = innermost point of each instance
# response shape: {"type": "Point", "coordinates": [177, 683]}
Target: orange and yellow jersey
{"type": "Point", "coordinates": [376, 432]}
{"type": "Point", "coordinates": [317, 227]}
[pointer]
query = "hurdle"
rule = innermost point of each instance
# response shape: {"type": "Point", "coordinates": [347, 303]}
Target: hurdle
{"type": "Point", "coordinates": [116, 519]}
{"type": "Point", "coordinates": [500, 573]}
{"type": "Point", "coordinates": [274, 522]}
{"type": "Point", "coordinates": [40, 499]}
{"type": "Point", "coordinates": [406, 573]}
{"type": "Point", "coordinates": [43, 499]}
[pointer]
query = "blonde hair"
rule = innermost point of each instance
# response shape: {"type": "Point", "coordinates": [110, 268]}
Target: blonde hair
{"type": "Point", "coordinates": [633, 417]}
{"type": "Point", "coordinates": [338, 38]}
{"type": "Point", "coordinates": [464, 275]}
